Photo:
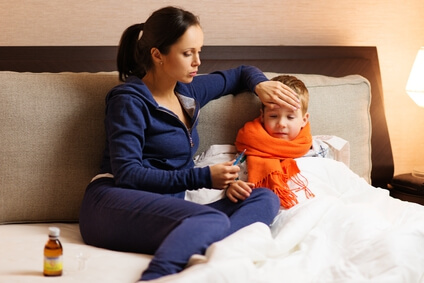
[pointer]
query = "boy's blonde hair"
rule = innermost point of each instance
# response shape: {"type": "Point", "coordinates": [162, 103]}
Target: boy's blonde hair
{"type": "Point", "coordinates": [298, 86]}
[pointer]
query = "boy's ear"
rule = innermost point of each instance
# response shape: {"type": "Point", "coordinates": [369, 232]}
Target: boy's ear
{"type": "Point", "coordinates": [262, 115]}
{"type": "Point", "coordinates": [305, 119]}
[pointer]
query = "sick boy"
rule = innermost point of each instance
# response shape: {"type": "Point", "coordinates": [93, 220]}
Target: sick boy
{"type": "Point", "coordinates": [272, 141]}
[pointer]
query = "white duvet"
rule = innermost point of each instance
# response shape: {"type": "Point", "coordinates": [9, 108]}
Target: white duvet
{"type": "Point", "coordinates": [350, 232]}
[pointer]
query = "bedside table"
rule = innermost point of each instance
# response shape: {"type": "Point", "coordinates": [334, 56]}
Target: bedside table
{"type": "Point", "coordinates": [407, 187]}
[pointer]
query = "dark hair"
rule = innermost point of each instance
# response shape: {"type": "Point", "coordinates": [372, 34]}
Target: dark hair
{"type": "Point", "coordinates": [162, 29]}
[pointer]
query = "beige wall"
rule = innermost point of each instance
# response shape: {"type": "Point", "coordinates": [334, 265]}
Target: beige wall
{"type": "Point", "coordinates": [396, 27]}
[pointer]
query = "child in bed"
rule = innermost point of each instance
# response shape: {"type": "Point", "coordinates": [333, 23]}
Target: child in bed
{"type": "Point", "coordinates": [272, 141]}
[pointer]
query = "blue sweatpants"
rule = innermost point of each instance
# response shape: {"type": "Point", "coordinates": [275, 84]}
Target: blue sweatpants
{"type": "Point", "coordinates": [169, 228]}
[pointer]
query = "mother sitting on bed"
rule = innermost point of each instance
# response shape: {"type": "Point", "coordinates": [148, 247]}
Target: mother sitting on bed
{"type": "Point", "coordinates": [136, 202]}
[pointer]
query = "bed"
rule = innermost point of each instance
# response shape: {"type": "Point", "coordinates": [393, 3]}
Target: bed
{"type": "Point", "coordinates": [353, 231]}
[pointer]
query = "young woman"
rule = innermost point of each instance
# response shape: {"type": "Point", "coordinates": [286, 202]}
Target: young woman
{"type": "Point", "coordinates": [136, 203]}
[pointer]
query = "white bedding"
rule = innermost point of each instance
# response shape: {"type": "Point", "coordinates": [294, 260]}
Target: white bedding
{"type": "Point", "coordinates": [350, 232]}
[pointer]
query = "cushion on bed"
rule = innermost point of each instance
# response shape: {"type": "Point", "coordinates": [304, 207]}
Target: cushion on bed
{"type": "Point", "coordinates": [52, 138]}
{"type": "Point", "coordinates": [52, 134]}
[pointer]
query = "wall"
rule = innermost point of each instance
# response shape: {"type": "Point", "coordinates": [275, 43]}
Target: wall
{"type": "Point", "coordinates": [396, 27]}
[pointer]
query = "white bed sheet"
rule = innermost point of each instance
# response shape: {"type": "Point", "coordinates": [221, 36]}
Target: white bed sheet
{"type": "Point", "coordinates": [21, 257]}
{"type": "Point", "coordinates": [350, 232]}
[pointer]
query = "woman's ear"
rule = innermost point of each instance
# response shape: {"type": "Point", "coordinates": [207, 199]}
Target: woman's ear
{"type": "Point", "coordinates": [156, 55]}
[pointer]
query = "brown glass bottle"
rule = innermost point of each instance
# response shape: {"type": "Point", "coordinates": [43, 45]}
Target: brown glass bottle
{"type": "Point", "coordinates": [53, 252]}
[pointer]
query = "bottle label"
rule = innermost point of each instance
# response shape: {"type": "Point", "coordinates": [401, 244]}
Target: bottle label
{"type": "Point", "coordinates": [53, 264]}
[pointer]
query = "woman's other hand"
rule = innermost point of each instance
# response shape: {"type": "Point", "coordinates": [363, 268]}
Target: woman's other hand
{"type": "Point", "coordinates": [223, 174]}
{"type": "Point", "coordinates": [276, 94]}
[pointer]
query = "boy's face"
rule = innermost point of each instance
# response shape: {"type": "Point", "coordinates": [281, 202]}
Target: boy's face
{"type": "Point", "coordinates": [283, 123]}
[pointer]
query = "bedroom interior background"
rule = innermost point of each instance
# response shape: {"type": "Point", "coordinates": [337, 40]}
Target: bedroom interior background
{"type": "Point", "coordinates": [397, 30]}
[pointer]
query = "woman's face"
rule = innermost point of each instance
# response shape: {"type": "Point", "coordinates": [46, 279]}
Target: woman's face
{"type": "Point", "coordinates": [182, 61]}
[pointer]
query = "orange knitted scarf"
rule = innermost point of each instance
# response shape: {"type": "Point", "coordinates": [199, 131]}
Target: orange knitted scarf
{"type": "Point", "coordinates": [270, 161]}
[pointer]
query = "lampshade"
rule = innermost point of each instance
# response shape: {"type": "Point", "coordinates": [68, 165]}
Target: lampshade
{"type": "Point", "coordinates": [415, 85]}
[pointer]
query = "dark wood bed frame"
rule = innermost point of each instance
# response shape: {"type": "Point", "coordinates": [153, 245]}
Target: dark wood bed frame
{"type": "Point", "coordinates": [336, 61]}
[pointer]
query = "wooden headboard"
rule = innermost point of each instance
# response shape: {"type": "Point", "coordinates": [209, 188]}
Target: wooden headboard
{"type": "Point", "coordinates": [336, 61]}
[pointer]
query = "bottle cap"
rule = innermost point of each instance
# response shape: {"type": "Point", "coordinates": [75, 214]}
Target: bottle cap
{"type": "Point", "coordinates": [54, 231]}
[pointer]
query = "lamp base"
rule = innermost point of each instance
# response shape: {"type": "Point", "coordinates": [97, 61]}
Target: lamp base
{"type": "Point", "coordinates": [408, 187]}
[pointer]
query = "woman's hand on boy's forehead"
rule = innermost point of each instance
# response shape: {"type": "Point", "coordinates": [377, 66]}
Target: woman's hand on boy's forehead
{"type": "Point", "coordinates": [274, 94]}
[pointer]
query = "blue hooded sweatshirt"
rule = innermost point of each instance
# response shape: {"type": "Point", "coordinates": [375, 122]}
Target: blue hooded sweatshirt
{"type": "Point", "coordinates": [148, 147]}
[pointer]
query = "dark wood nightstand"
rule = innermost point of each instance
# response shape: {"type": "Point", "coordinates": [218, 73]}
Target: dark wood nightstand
{"type": "Point", "coordinates": [407, 187]}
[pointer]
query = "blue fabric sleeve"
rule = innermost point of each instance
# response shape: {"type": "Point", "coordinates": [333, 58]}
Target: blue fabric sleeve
{"type": "Point", "coordinates": [232, 81]}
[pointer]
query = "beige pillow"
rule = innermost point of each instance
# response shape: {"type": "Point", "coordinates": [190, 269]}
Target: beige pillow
{"type": "Point", "coordinates": [52, 137]}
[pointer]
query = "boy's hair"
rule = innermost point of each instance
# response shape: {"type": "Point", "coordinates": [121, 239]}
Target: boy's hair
{"type": "Point", "coordinates": [298, 86]}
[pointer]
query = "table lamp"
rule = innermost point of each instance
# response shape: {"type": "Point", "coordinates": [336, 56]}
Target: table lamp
{"type": "Point", "coordinates": [415, 89]}
{"type": "Point", "coordinates": [415, 84]}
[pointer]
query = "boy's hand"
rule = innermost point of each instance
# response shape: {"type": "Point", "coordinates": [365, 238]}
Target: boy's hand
{"type": "Point", "coordinates": [239, 190]}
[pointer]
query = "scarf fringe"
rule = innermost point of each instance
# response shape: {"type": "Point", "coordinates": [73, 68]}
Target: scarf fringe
{"type": "Point", "coordinates": [287, 196]}
{"type": "Point", "coordinates": [302, 184]}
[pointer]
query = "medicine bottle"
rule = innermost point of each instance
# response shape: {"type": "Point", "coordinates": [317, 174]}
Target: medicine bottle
{"type": "Point", "coordinates": [53, 252]}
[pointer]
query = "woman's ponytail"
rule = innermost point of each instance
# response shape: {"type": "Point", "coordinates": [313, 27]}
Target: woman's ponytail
{"type": "Point", "coordinates": [127, 53]}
